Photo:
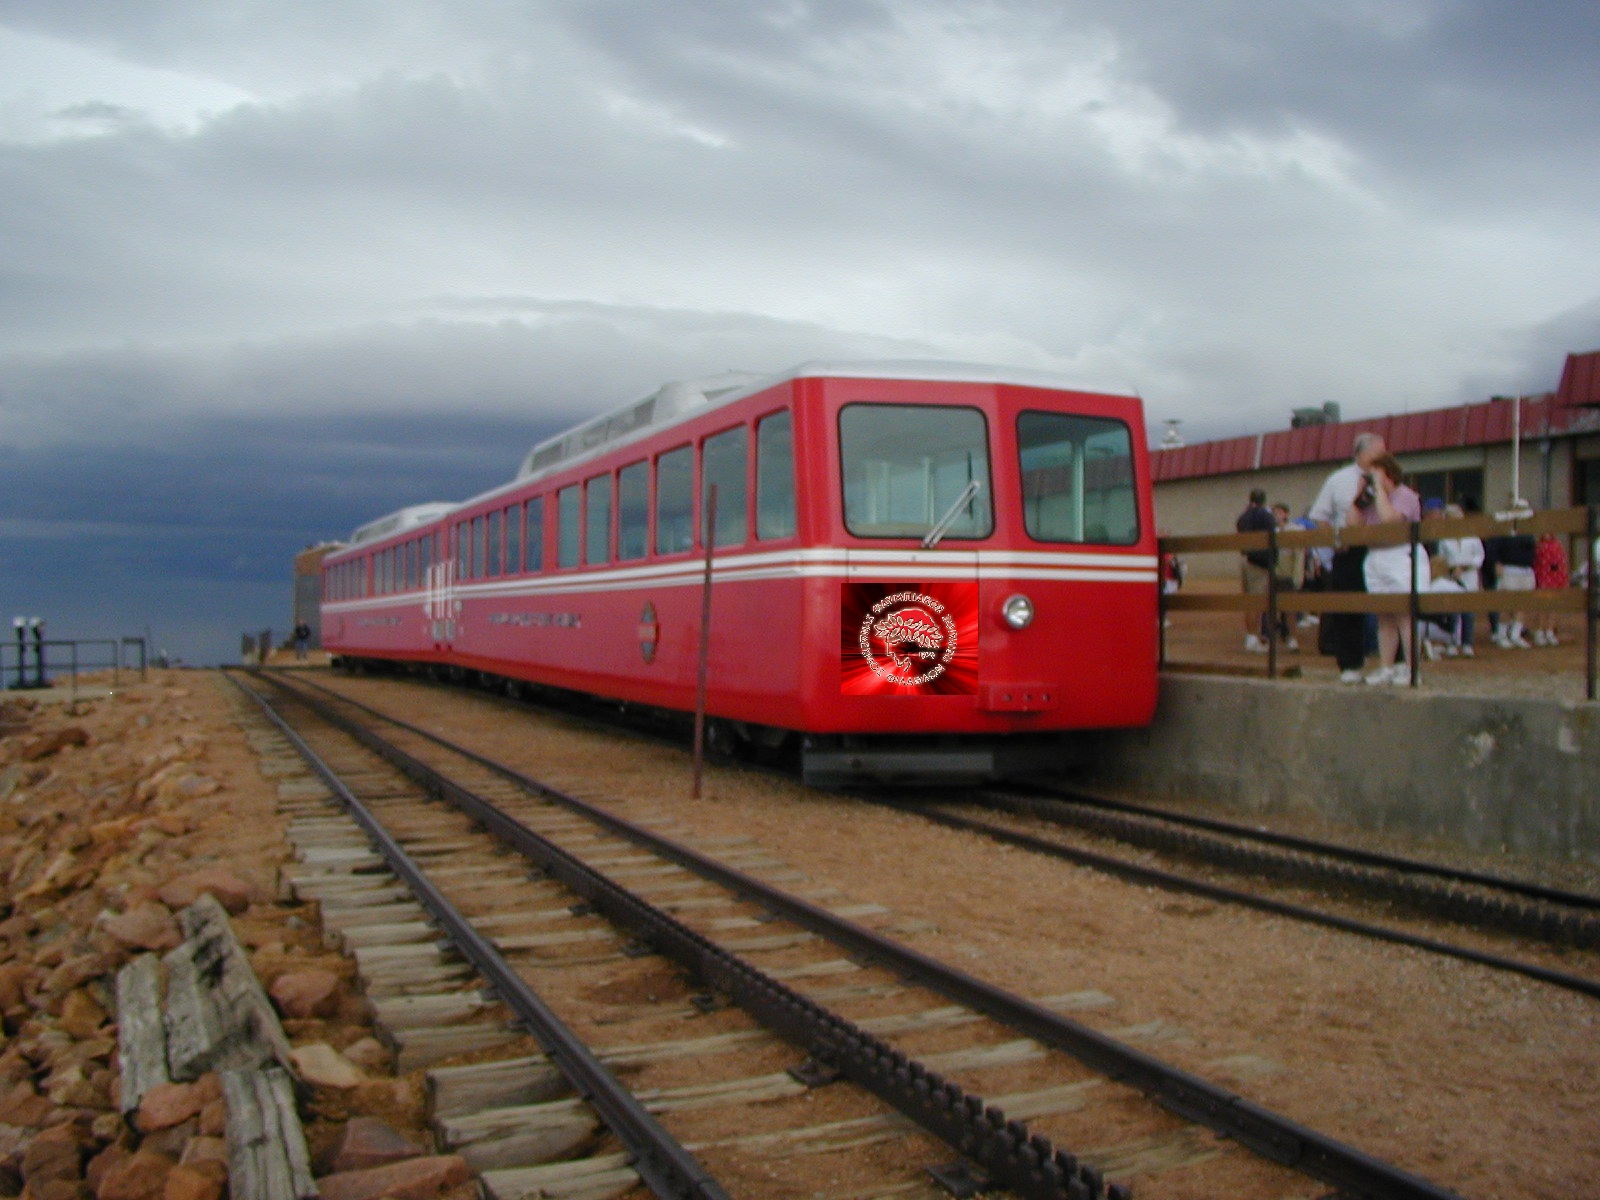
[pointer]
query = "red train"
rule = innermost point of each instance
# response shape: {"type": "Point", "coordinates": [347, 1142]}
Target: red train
{"type": "Point", "coordinates": [919, 570]}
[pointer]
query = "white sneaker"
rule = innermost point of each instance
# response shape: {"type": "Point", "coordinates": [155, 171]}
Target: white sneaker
{"type": "Point", "coordinates": [1468, 652]}
{"type": "Point", "coordinates": [1383, 675]}
{"type": "Point", "coordinates": [1550, 639]}
{"type": "Point", "coordinates": [1291, 644]}
{"type": "Point", "coordinates": [1350, 676]}
{"type": "Point", "coordinates": [1431, 650]}
{"type": "Point", "coordinates": [1500, 639]}
{"type": "Point", "coordinates": [1452, 650]}
{"type": "Point", "coordinates": [1520, 642]}
{"type": "Point", "coordinates": [1254, 645]}
{"type": "Point", "coordinates": [1307, 621]}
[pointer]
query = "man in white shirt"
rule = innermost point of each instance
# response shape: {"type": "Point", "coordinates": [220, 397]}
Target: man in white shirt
{"type": "Point", "coordinates": [1347, 632]}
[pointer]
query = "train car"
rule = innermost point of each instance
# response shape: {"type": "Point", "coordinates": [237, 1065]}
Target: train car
{"type": "Point", "coordinates": [916, 570]}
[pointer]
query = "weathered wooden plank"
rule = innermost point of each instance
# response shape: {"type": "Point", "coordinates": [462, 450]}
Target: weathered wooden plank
{"type": "Point", "coordinates": [267, 1156]}
{"type": "Point", "coordinates": [419, 1048]}
{"type": "Point", "coordinates": [141, 1034]}
{"type": "Point", "coordinates": [456, 1091]}
{"type": "Point", "coordinates": [600, 1178]}
{"type": "Point", "coordinates": [216, 1014]}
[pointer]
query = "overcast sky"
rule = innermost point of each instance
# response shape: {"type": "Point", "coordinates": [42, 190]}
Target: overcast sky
{"type": "Point", "coordinates": [269, 269]}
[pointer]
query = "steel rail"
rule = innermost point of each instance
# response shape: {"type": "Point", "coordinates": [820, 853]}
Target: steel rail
{"type": "Point", "coordinates": [1214, 891]}
{"type": "Point", "coordinates": [1015, 1158]}
{"type": "Point", "coordinates": [670, 1171]}
{"type": "Point", "coordinates": [1275, 1137]}
{"type": "Point", "coordinates": [1151, 831]}
{"type": "Point", "coordinates": [1355, 854]}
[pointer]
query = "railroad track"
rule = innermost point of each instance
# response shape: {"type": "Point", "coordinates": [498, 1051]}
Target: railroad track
{"type": "Point", "coordinates": [1428, 893]}
{"type": "Point", "coordinates": [765, 979]}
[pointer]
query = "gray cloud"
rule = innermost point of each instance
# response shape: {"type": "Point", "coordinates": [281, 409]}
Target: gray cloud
{"type": "Point", "coordinates": [414, 211]}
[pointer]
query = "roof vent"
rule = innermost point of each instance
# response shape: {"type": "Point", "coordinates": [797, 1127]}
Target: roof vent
{"type": "Point", "coordinates": [1328, 414]}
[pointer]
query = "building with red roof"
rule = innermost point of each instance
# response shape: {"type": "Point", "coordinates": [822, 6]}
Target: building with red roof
{"type": "Point", "coordinates": [1453, 453]}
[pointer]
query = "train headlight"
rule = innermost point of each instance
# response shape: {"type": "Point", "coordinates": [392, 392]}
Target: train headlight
{"type": "Point", "coordinates": [1017, 611]}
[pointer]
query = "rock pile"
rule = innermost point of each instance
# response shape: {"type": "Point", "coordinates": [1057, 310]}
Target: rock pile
{"type": "Point", "coordinates": [115, 814]}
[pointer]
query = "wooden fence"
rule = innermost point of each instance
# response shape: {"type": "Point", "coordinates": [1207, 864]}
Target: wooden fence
{"type": "Point", "coordinates": [1582, 523]}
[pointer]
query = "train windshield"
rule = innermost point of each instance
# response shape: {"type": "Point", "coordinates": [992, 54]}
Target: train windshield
{"type": "Point", "coordinates": [907, 466]}
{"type": "Point", "coordinates": [1077, 479]}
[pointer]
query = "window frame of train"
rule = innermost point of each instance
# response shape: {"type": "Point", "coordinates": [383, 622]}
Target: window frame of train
{"type": "Point", "coordinates": [674, 470]}
{"type": "Point", "coordinates": [511, 519]}
{"type": "Point", "coordinates": [597, 508]}
{"type": "Point", "coordinates": [569, 526]}
{"type": "Point", "coordinates": [725, 465]}
{"type": "Point", "coordinates": [890, 444]}
{"type": "Point", "coordinates": [776, 502]}
{"type": "Point", "coordinates": [533, 535]}
{"type": "Point", "coordinates": [494, 545]}
{"type": "Point", "coordinates": [1085, 499]}
{"type": "Point", "coordinates": [633, 511]}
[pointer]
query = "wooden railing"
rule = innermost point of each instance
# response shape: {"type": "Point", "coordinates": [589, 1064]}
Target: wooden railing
{"type": "Point", "coordinates": [1582, 523]}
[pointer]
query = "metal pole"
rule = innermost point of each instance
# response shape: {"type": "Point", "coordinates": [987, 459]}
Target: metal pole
{"type": "Point", "coordinates": [1590, 533]}
{"type": "Point", "coordinates": [1414, 615]}
{"type": "Point", "coordinates": [38, 651]}
{"type": "Point", "coordinates": [705, 641]}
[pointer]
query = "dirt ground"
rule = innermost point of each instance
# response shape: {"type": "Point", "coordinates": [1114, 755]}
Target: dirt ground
{"type": "Point", "coordinates": [1478, 1081]}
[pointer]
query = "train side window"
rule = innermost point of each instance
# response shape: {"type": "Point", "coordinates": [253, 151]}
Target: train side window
{"type": "Point", "coordinates": [675, 501]}
{"type": "Point", "coordinates": [569, 527]}
{"type": "Point", "coordinates": [909, 467]}
{"type": "Point", "coordinates": [477, 548]}
{"type": "Point", "coordinates": [513, 513]}
{"type": "Point", "coordinates": [495, 558]}
{"type": "Point", "coordinates": [463, 550]}
{"type": "Point", "coordinates": [1077, 479]}
{"type": "Point", "coordinates": [775, 501]}
{"type": "Point", "coordinates": [533, 535]}
{"type": "Point", "coordinates": [633, 511]}
{"type": "Point", "coordinates": [424, 559]}
{"type": "Point", "coordinates": [724, 464]}
{"type": "Point", "coordinates": [597, 527]}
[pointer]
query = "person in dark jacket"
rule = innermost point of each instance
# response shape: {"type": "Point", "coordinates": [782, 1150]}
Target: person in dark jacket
{"type": "Point", "coordinates": [1255, 568]}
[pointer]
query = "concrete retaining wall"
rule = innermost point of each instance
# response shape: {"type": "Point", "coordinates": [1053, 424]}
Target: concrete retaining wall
{"type": "Point", "coordinates": [1490, 774]}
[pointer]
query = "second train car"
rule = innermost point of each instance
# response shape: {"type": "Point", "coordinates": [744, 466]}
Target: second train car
{"type": "Point", "coordinates": [919, 571]}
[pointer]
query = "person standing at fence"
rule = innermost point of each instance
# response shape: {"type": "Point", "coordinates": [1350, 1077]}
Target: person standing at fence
{"type": "Point", "coordinates": [1549, 575]}
{"type": "Point", "coordinates": [1285, 578]}
{"type": "Point", "coordinates": [1346, 632]}
{"type": "Point", "coordinates": [1392, 570]}
{"type": "Point", "coordinates": [1463, 560]}
{"type": "Point", "coordinates": [1513, 559]}
{"type": "Point", "coordinates": [1255, 568]}
{"type": "Point", "coordinates": [302, 639]}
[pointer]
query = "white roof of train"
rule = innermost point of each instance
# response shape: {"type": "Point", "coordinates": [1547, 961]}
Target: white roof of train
{"type": "Point", "coordinates": [675, 401]}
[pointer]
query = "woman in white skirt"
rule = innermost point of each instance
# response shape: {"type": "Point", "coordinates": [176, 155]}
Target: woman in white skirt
{"type": "Point", "coordinates": [1392, 569]}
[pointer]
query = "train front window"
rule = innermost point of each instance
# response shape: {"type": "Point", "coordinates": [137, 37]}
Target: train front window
{"type": "Point", "coordinates": [1077, 479]}
{"type": "Point", "coordinates": [910, 467]}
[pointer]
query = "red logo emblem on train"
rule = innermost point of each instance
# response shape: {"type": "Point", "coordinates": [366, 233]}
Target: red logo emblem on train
{"type": "Point", "coordinates": [909, 639]}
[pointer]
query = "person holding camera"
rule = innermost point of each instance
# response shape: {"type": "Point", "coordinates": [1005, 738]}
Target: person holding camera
{"type": "Point", "coordinates": [1346, 633]}
{"type": "Point", "coordinates": [1386, 500]}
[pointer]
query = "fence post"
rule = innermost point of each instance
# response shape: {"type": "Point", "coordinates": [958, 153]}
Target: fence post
{"type": "Point", "coordinates": [1161, 606]}
{"type": "Point", "coordinates": [1272, 603]}
{"type": "Point", "coordinates": [1415, 613]}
